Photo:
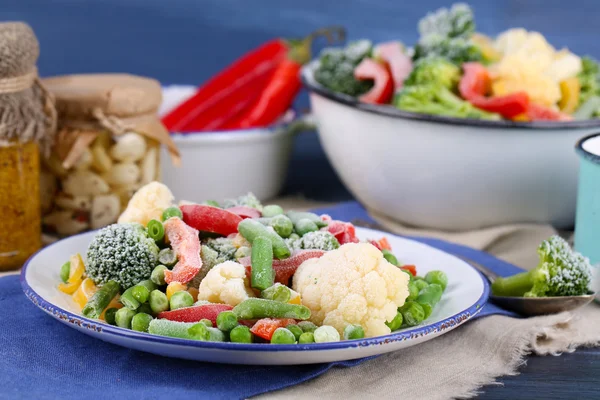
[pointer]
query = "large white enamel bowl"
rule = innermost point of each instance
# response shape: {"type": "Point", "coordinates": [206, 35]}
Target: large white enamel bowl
{"type": "Point", "coordinates": [223, 164]}
{"type": "Point", "coordinates": [464, 297]}
{"type": "Point", "coordinates": [449, 173]}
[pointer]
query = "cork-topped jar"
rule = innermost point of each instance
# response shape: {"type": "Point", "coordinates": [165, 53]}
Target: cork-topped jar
{"type": "Point", "coordinates": [107, 147]}
{"type": "Point", "coordinates": [27, 123]}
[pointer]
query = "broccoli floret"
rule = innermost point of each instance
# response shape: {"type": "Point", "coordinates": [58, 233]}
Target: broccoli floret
{"type": "Point", "coordinates": [318, 240]}
{"type": "Point", "coordinates": [560, 272]}
{"type": "Point", "coordinates": [248, 200]}
{"type": "Point", "coordinates": [438, 100]}
{"type": "Point", "coordinates": [336, 68]}
{"type": "Point", "coordinates": [224, 247]}
{"type": "Point", "coordinates": [121, 252]}
{"type": "Point", "coordinates": [434, 70]}
{"type": "Point", "coordinates": [457, 21]}
{"type": "Point", "coordinates": [458, 50]}
{"type": "Point", "coordinates": [589, 79]}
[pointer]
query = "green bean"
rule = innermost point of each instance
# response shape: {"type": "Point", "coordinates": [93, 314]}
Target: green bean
{"type": "Point", "coordinates": [307, 326]}
{"type": "Point", "coordinates": [283, 336]}
{"type": "Point", "coordinates": [295, 329]}
{"type": "Point", "coordinates": [158, 301]}
{"type": "Point", "coordinates": [430, 295]}
{"type": "Point", "coordinates": [123, 317]}
{"type": "Point", "coordinates": [326, 333]}
{"type": "Point", "coordinates": [148, 284]}
{"type": "Point", "coordinates": [158, 275]}
{"type": "Point", "coordinates": [277, 292]}
{"type": "Point", "coordinates": [420, 283]}
{"type": "Point", "coordinates": [128, 300]}
{"type": "Point", "coordinates": [390, 257]}
{"type": "Point", "coordinates": [180, 300]}
{"type": "Point", "coordinates": [437, 277]}
{"type": "Point", "coordinates": [216, 335]}
{"type": "Point", "coordinates": [252, 229]}
{"type": "Point", "coordinates": [296, 216]}
{"type": "Point", "coordinates": [140, 322]}
{"type": "Point", "coordinates": [172, 212]}
{"type": "Point", "coordinates": [305, 226]}
{"type": "Point", "coordinates": [427, 309]}
{"type": "Point", "coordinates": [226, 321]}
{"type": "Point", "coordinates": [240, 334]}
{"type": "Point", "coordinates": [271, 210]}
{"type": "Point", "coordinates": [165, 327]}
{"type": "Point", "coordinates": [167, 257]}
{"type": "Point", "coordinates": [263, 308]}
{"type": "Point", "coordinates": [65, 271]}
{"type": "Point", "coordinates": [145, 308]}
{"type": "Point", "coordinates": [262, 275]}
{"type": "Point", "coordinates": [396, 322]}
{"type": "Point", "coordinates": [412, 313]}
{"type": "Point", "coordinates": [140, 293]}
{"type": "Point", "coordinates": [206, 322]}
{"type": "Point", "coordinates": [413, 291]}
{"type": "Point", "coordinates": [199, 331]}
{"type": "Point", "coordinates": [109, 316]}
{"type": "Point", "coordinates": [101, 299]}
{"type": "Point", "coordinates": [156, 230]}
{"type": "Point", "coordinates": [282, 225]}
{"type": "Point", "coordinates": [352, 332]}
{"type": "Point", "coordinates": [306, 337]}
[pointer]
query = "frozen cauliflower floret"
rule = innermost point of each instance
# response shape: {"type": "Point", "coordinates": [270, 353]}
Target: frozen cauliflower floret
{"type": "Point", "coordinates": [147, 203]}
{"type": "Point", "coordinates": [225, 283]}
{"type": "Point", "coordinates": [352, 285]}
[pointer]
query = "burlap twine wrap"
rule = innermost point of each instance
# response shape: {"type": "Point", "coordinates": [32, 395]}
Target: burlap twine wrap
{"type": "Point", "coordinates": [27, 110]}
{"type": "Point", "coordinates": [117, 103]}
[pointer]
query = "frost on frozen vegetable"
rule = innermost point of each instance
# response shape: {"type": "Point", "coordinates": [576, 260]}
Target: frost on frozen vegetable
{"type": "Point", "coordinates": [318, 240]}
{"type": "Point", "coordinates": [352, 285]}
{"type": "Point", "coordinates": [123, 253]}
{"type": "Point", "coordinates": [184, 241]}
{"type": "Point", "coordinates": [226, 283]}
{"type": "Point", "coordinates": [147, 203]}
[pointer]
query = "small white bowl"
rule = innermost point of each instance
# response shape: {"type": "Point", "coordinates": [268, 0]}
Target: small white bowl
{"type": "Point", "coordinates": [225, 164]}
{"type": "Point", "coordinates": [449, 173]}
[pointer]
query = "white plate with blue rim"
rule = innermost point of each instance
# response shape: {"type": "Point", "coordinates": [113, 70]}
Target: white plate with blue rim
{"type": "Point", "coordinates": [466, 294]}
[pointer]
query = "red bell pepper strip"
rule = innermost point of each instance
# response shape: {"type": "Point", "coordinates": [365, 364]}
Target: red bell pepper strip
{"type": "Point", "coordinates": [411, 269]}
{"type": "Point", "coordinates": [245, 212]}
{"type": "Point", "coordinates": [210, 219]}
{"type": "Point", "coordinates": [536, 112]}
{"type": "Point", "coordinates": [196, 313]}
{"type": "Point", "coordinates": [400, 64]}
{"type": "Point", "coordinates": [344, 232]}
{"type": "Point", "coordinates": [474, 86]}
{"type": "Point", "coordinates": [228, 89]}
{"type": "Point", "coordinates": [277, 97]}
{"type": "Point", "coordinates": [184, 241]}
{"type": "Point", "coordinates": [383, 88]}
{"type": "Point", "coordinates": [265, 327]}
{"type": "Point", "coordinates": [381, 244]}
{"type": "Point", "coordinates": [285, 269]}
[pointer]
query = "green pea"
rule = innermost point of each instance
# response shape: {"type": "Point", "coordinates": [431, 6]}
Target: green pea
{"type": "Point", "coordinates": [282, 225]}
{"type": "Point", "coordinates": [172, 212]}
{"type": "Point", "coordinates": [226, 321]}
{"type": "Point", "coordinates": [427, 309]}
{"type": "Point", "coordinates": [140, 322]}
{"type": "Point", "coordinates": [123, 317]}
{"type": "Point", "coordinates": [306, 337]}
{"type": "Point", "coordinates": [180, 300]}
{"type": "Point", "coordinates": [109, 316]}
{"type": "Point", "coordinates": [199, 331]}
{"type": "Point", "coordinates": [413, 291]}
{"type": "Point", "coordinates": [206, 322]}
{"type": "Point", "coordinates": [145, 308]}
{"type": "Point", "coordinates": [395, 323]}
{"type": "Point", "coordinates": [140, 293]}
{"type": "Point", "coordinates": [307, 326]}
{"type": "Point", "coordinates": [215, 335]}
{"type": "Point", "coordinates": [271, 210]}
{"type": "Point", "coordinates": [430, 295]}
{"type": "Point", "coordinates": [412, 313]}
{"type": "Point", "coordinates": [167, 257]}
{"type": "Point", "coordinates": [65, 271]}
{"type": "Point", "coordinates": [158, 275]}
{"type": "Point", "coordinates": [295, 329]}
{"type": "Point", "coordinates": [283, 336]}
{"type": "Point", "coordinates": [158, 301]}
{"type": "Point", "coordinates": [421, 283]}
{"type": "Point", "coordinates": [240, 334]}
{"type": "Point", "coordinates": [391, 258]}
{"type": "Point", "coordinates": [437, 277]}
{"type": "Point", "coordinates": [352, 332]}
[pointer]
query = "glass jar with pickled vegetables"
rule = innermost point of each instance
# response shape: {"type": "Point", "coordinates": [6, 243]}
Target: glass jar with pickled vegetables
{"type": "Point", "coordinates": [107, 147]}
{"type": "Point", "coordinates": [27, 123]}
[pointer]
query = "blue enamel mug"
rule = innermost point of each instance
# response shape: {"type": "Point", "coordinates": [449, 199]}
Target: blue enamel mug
{"type": "Point", "coordinates": [587, 225]}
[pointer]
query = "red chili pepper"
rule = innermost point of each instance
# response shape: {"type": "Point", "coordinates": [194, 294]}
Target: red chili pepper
{"type": "Point", "coordinates": [277, 97]}
{"type": "Point", "coordinates": [474, 86]}
{"type": "Point", "coordinates": [196, 313]}
{"type": "Point", "coordinates": [411, 269]}
{"type": "Point", "coordinates": [245, 211]}
{"type": "Point", "coordinates": [210, 219]}
{"type": "Point", "coordinates": [228, 92]}
{"type": "Point", "coordinates": [383, 89]}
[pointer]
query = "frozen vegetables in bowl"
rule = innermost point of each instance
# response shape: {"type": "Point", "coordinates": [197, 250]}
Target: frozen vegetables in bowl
{"type": "Point", "coordinates": [443, 136]}
{"type": "Point", "coordinates": [223, 163]}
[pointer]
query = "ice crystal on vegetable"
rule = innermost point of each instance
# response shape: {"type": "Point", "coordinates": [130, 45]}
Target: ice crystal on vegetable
{"type": "Point", "coordinates": [457, 21]}
{"type": "Point", "coordinates": [248, 200]}
{"type": "Point", "coordinates": [318, 240]}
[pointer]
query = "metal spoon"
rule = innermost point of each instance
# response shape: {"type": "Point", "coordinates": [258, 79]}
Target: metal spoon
{"type": "Point", "coordinates": [529, 306]}
{"type": "Point", "coordinates": [532, 306]}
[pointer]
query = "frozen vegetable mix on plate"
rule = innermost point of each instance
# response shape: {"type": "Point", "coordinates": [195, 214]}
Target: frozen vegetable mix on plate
{"type": "Point", "coordinates": [244, 272]}
{"type": "Point", "coordinates": [455, 71]}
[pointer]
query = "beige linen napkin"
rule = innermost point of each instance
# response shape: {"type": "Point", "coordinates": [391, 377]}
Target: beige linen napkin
{"type": "Point", "coordinates": [458, 364]}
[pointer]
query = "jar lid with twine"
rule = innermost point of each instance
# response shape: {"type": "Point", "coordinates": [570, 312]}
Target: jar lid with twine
{"type": "Point", "coordinates": [27, 110]}
{"type": "Point", "coordinates": [91, 103]}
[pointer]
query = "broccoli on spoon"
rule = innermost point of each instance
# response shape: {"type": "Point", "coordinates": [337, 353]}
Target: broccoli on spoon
{"type": "Point", "coordinates": [560, 272]}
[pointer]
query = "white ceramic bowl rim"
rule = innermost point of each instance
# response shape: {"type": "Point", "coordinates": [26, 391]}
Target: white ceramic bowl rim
{"type": "Point", "coordinates": [584, 152]}
{"type": "Point", "coordinates": [307, 76]}
{"type": "Point", "coordinates": [96, 325]}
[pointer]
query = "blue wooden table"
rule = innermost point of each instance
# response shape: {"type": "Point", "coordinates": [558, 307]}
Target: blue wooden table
{"type": "Point", "coordinates": [186, 41]}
